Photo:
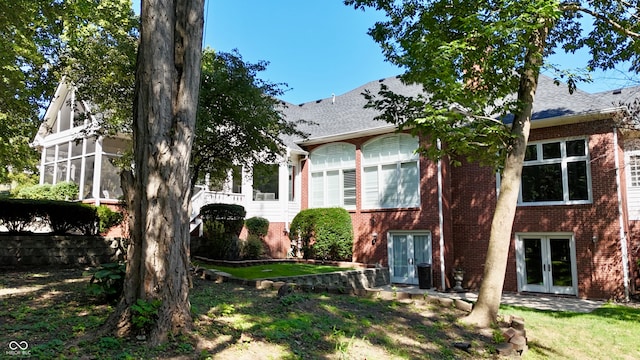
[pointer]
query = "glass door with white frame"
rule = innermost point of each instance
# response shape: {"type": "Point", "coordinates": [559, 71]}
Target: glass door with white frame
{"type": "Point", "coordinates": [406, 250]}
{"type": "Point", "coordinates": [546, 263]}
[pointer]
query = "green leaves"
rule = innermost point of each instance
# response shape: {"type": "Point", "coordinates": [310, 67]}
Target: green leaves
{"type": "Point", "coordinates": [239, 119]}
{"type": "Point", "coordinates": [470, 57]}
{"type": "Point", "coordinates": [144, 313]}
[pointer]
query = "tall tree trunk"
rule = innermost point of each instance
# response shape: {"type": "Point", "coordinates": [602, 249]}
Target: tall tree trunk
{"type": "Point", "coordinates": [485, 311]}
{"type": "Point", "coordinates": [166, 96]}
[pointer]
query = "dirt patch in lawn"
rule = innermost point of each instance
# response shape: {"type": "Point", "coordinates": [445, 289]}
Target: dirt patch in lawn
{"type": "Point", "coordinates": [50, 309]}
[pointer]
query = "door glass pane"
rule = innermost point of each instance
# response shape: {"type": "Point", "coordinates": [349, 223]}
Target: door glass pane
{"type": "Point", "coordinates": [421, 249]}
{"type": "Point", "coordinates": [533, 261]}
{"type": "Point", "coordinates": [561, 262]}
{"type": "Point", "coordinates": [400, 268]}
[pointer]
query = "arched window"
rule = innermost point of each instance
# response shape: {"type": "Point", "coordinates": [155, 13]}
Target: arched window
{"type": "Point", "coordinates": [390, 174]}
{"type": "Point", "coordinates": [333, 176]}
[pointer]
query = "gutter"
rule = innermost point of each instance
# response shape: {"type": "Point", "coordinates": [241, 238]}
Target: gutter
{"type": "Point", "coordinates": [623, 236]}
{"type": "Point", "coordinates": [441, 221]}
{"type": "Point", "coordinates": [576, 118]}
{"type": "Point", "coordinates": [349, 135]}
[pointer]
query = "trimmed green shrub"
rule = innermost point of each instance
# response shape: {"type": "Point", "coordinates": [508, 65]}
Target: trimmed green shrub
{"type": "Point", "coordinates": [252, 248]}
{"type": "Point", "coordinates": [222, 226]}
{"type": "Point", "coordinates": [258, 226]}
{"type": "Point", "coordinates": [108, 218]}
{"type": "Point", "coordinates": [326, 233]}
{"type": "Point", "coordinates": [230, 215]}
{"type": "Point", "coordinates": [69, 217]}
{"type": "Point", "coordinates": [60, 191]}
{"type": "Point", "coordinates": [65, 191]}
{"type": "Point", "coordinates": [18, 215]}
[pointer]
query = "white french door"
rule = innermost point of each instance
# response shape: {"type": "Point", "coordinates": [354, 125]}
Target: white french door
{"type": "Point", "coordinates": [546, 263]}
{"type": "Point", "coordinates": [406, 249]}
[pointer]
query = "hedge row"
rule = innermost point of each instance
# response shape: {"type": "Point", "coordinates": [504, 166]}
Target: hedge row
{"type": "Point", "coordinates": [62, 217]}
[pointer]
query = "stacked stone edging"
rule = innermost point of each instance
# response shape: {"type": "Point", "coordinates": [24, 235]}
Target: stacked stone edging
{"type": "Point", "coordinates": [340, 282]}
{"type": "Point", "coordinates": [245, 263]}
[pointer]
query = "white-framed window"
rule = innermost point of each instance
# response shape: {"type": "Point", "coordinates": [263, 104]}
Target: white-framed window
{"type": "Point", "coordinates": [633, 164]}
{"type": "Point", "coordinates": [632, 168]}
{"type": "Point", "coordinates": [266, 182]}
{"type": "Point", "coordinates": [333, 176]}
{"type": "Point", "coordinates": [390, 173]}
{"type": "Point", "coordinates": [556, 172]}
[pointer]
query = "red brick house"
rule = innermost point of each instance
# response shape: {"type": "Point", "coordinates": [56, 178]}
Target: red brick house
{"type": "Point", "coordinates": [576, 230]}
{"type": "Point", "coordinates": [577, 226]}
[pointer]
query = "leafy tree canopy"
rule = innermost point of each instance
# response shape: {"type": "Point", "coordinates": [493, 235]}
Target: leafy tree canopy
{"type": "Point", "coordinates": [470, 56]}
{"type": "Point", "coordinates": [40, 40]}
{"type": "Point", "coordinates": [240, 119]}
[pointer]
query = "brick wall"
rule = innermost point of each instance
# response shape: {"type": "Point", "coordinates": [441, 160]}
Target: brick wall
{"type": "Point", "coordinates": [599, 264]}
{"type": "Point", "coordinates": [368, 222]}
{"type": "Point", "coordinates": [469, 200]}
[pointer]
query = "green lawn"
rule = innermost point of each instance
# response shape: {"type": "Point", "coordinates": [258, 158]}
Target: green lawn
{"type": "Point", "coordinates": [53, 313]}
{"type": "Point", "coordinates": [610, 332]}
{"type": "Point", "coordinates": [274, 270]}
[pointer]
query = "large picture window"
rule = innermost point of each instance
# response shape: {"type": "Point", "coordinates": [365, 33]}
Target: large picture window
{"type": "Point", "coordinates": [266, 185]}
{"type": "Point", "coordinates": [333, 176]}
{"type": "Point", "coordinates": [556, 173]}
{"type": "Point", "coordinates": [390, 176]}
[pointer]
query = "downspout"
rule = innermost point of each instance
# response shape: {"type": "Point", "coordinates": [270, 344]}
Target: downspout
{"type": "Point", "coordinates": [441, 221]}
{"type": "Point", "coordinates": [623, 236]}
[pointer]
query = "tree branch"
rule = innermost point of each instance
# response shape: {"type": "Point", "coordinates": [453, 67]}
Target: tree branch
{"type": "Point", "coordinates": [617, 26]}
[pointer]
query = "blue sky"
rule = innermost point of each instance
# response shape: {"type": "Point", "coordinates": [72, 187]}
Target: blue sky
{"type": "Point", "coordinates": [321, 47]}
{"type": "Point", "coordinates": [317, 47]}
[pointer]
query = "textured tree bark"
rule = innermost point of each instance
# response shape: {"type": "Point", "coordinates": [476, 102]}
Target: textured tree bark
{"type": "Point", "coordinates": [158, 188]}
{"type": "Point", "coordinates": [485, 311]}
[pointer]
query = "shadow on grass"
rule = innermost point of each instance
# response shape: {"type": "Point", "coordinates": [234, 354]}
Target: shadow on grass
{"type": "Point", "coordinates": [327, 326]}
{"type": "Point", "coordinates": [51, 310]}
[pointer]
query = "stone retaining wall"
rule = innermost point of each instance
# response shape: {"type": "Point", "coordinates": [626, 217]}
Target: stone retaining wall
{"type": "Point", "coordinates": [58, 250]}
{"type": "Point", "coordinates": [344, 281]}
{"type": "Point", "coordinates": [352, 279]}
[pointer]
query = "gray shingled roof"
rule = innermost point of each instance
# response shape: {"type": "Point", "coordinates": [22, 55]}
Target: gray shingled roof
{"type": "Point", "coordinates": [614, 98]}
{"type": "Point", "coordinates": [346, 113]}
{"type": "Point", "coordinates": [554, 100]}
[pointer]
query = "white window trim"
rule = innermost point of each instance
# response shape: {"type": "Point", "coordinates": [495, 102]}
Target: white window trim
{"type": "Point", "coordinates": [632, 209]}
{"type": "Point", "coordinates": [563, 163]}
